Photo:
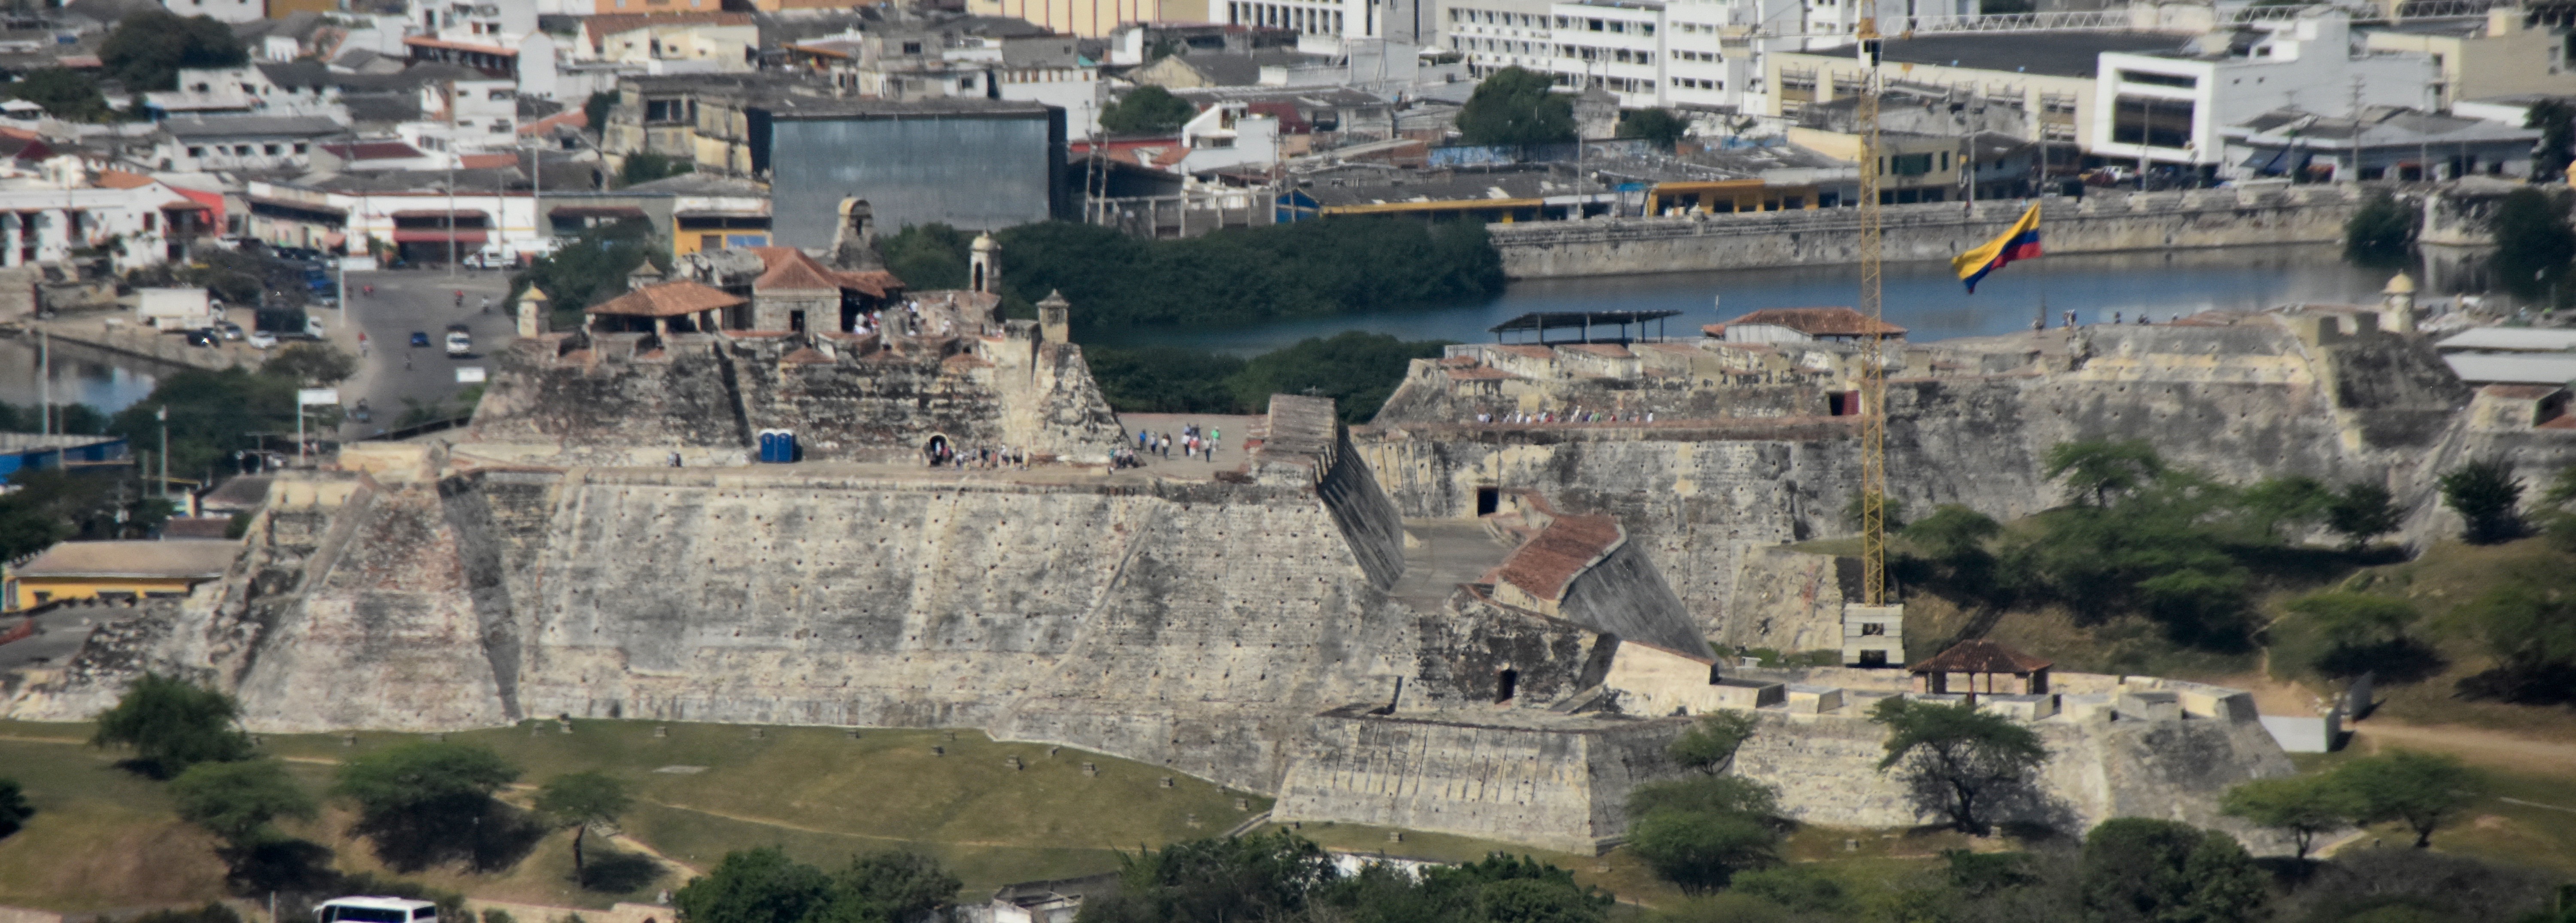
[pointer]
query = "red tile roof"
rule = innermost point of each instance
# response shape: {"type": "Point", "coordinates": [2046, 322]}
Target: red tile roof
{"type": "Point", "coordinates": [790, 268]}
{"type": "Point", "coordinates": [1980, 657]}
{"type": "Point", "coordinates": [669, 299]}
{"type": "Point", "coordinates": [1819, 321]}
{"type": "Point", "coordinates": [1545, 564]}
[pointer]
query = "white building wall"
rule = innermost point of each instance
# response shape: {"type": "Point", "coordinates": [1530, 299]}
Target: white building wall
{"type": "Point", "coordinates": [221, 10]}
{"type": "Point", "coordinates": [2306, 63]}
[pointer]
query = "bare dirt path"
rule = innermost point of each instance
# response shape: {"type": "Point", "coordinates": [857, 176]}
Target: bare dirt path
{"type": "Point", "coordinates": [2482, 747]}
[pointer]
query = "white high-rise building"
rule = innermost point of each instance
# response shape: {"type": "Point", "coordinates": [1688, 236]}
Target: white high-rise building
{"type": "Point", "coordinates": [1694, 55]}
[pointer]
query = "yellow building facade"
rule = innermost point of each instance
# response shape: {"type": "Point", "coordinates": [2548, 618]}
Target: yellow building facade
{"type": "Point", "coordinates": [118, 571]}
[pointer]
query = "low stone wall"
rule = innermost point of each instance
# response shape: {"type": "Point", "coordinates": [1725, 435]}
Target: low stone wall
{"type": "Point", "coordinates": [2100, 223]}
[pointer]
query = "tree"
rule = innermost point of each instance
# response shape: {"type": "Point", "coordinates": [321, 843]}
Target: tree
{"type": "Point", "coordinates": [14, 809]}
{"type": "Point", "coordinates": [1358, 370]}
{"type": "Point", "coordinates": [2356, 619]}
{"type": "Point", "coordinates": [1958, 758]}
{"type": "Point", "coordinates": [2301, 806]}
{"type": "Point", "coordinates": [2295, 503]}
{"type": "Point", "coordinates": [594, 111]}
{"type": "Point", "coordinates": [891, 886]}
{"type": "Point", "coordinates": [2380, 231]}
{"type": "Point", "coordinates": [2141, 870]}
{"type": "Point", "coordinates": [2361, 512]}
{"type": "Point", "coordinates": [65, 93]}
{"type": "Point", "coordinates": [1699, 832]}
{"type": "Point", "coordinates": [929, 257]}
{"type": "Point", "coordinates": [1146, 110]}
{"type": "Point", "coordinates": [237, 801]}
{"type": "Point", "coordinates": [2533, 242]}
{"type": "Point", "coordinates": [1702, 852]}
{"type": "Point", "coordinates": [312, 364]}
{"type": "Point", "coordinates": [2095, 469]}
{"type": "Point", "coordinates": [424, 800]}
{"type": "Point", "coordinates": [647, 166]}
{"type": "Point", "coordinates": [1261, 876]}
{"type": "Point", "coordinates": [590, 269]}
{"type": "Point", "coordinates": [1709, 746]}
{"type": "Point", "coordinates": [755, 886]}
{"type": "Point", "coordinates": [2528, 622]}
{"type": "Point", "coordinates": [2556, 119]}
{"type": "Point", "coordinates": [173, 724]}
{"type": "Point", "coordinates": [2421, 790]}
{"type": "Point", "coordinates": [146, 50]}
{"type": "Point", "coordinates": [1517, 107]}
{"type": "Point", "coordinates": [2484, 493]}
{"type": "Point", "coordinates": [212, 414]}
{"type": "Point", "coordinates": [580, 800]}
{"type": "Point", "coordinates": [1956, 535]}
{"type": "Point", "coordinates": [1658, 125]}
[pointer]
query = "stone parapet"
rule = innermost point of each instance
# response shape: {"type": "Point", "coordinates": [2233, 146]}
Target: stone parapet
{"type": "Point", "coordinates": [2099, 223]}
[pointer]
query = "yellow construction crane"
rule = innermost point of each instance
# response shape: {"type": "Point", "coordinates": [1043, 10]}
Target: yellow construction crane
{"type": "Point", "coordinates": [1873, 363]}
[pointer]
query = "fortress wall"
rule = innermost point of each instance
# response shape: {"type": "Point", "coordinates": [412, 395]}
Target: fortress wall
{"type": "Point", "coordinates": [1199, 626]}
{"type": "Point", "coordinates": [1467, 646]}
{"type": "Point", "coordinates": [1427, 395]}
{"type": "Point", "coordinates": [2099, 223]}
{"type": "Point", "coordinates": [1368, 520]}
{"type": "Point", "coordinates": [882, 407]}
{"type": "Point", "coordinates": [603, 398]}
{"type": "Point", "coordinates": [1788, 600]}
{"type": "Point", "coordinates": [1825, 767]}
{"type": "Point", "coordinates": [1693, 509]}
{"type": "Point", "coordinates": [387, 635]}
{"type": "Point", "coordinates": [1623, 594]}
{"type": "Point", "coordinates": [1501, 780]}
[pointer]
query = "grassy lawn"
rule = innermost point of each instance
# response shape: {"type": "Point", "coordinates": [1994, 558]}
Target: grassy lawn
{"type": "Point", "coordinates": [2525, 819]}
{"type": "Point", "coordinates": [105, 838]}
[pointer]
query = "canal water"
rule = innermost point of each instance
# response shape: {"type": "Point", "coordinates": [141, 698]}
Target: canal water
{"type": "Point", "coordinates": [81, 375]}
{"type": "Point", "coordinates": [1923, 297]}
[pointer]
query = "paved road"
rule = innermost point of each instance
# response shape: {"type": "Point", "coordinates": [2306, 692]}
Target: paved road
{"type": "Point", "coordinates": [393, 371]}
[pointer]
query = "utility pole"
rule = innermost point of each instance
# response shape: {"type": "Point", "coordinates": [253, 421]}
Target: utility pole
{"type": "Point", "coordinates": [44, 382]}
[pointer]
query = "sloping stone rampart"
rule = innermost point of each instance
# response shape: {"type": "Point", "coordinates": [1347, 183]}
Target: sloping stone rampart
{"type": "Point", "coordinates": [2099, 223]}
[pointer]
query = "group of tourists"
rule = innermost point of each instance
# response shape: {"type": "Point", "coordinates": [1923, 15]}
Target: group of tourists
{"type": "Point", "coordinates": [1193, 443]}
{"type": "Point", "coordinates": [987, 458]}
{"type": "Point", "coordinates": [1571, 415]}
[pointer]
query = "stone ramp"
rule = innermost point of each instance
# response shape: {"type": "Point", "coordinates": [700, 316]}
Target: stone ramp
{"type": "Point", "coordinates": [1439, 554]}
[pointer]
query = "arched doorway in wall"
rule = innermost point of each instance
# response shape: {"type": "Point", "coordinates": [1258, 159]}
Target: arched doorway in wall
{"type": "Point", "coordinates": [937, 448]}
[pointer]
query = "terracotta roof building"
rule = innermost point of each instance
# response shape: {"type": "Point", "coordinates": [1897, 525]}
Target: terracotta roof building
{"type": "Point", "coordinates": [1803, 325]}
{"type": "Point", "coordinates": [655, 306]}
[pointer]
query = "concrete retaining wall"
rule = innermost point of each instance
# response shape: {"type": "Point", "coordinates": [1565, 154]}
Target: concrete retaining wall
{"type": "Point", "coordinates": [2100, 223]}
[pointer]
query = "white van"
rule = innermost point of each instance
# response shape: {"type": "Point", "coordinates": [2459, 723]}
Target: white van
{"type": "Point", "coordinates": [375, 910]}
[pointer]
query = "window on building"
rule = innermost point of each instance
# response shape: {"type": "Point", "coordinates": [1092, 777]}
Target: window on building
{"type": "Point", "coordinates": [912, 48]}
{"type": "Point", "coordinates": [196, 152]}
{"type": "Point", "coordinates": [1910, 164]}
{"type": "Point", "coordinates": [2151, 78]}
{"type": "Point", "coordinates": [2154, 122]}
{"type": "Point", "coordinates": [301, 147]}
{"type": "Point", "coordinates": [269, 149]}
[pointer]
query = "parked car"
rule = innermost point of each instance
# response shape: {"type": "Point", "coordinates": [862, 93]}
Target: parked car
{"type": "Point", "coordinates": [205, 336]}
{"type": "Point", "coordinates": [459, 341]}
{"type": "Point", "coordinates": [230, 330]}
{"type": "Point", "coordinates": [260, 339]}
{"type": "Point", "coordinates": [420, 338]}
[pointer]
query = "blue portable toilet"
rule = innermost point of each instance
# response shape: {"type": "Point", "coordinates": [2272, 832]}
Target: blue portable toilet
{"type": "Point", "coordinates": [788, 450]}
{"type": "Point", "coordinates": [769, 451]}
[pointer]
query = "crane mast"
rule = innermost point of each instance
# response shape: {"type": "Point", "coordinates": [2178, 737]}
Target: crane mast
{"type": "Point", "coordinates": [1873, 363]}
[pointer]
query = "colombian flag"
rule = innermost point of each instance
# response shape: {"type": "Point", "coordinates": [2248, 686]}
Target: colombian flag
{"type": "Point", "coordinates": [2019, 243]}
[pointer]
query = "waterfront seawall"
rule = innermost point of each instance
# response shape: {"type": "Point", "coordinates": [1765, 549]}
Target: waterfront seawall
{"type": "Point", "coordinates": [2099, 223]}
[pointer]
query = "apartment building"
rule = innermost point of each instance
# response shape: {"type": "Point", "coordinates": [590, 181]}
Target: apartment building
{"type": "Point", "coordinates": [1704, 55]}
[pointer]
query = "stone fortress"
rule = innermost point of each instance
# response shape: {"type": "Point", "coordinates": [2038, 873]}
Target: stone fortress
{"type": "Point", "coordinates": [1452, 619]}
